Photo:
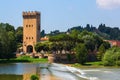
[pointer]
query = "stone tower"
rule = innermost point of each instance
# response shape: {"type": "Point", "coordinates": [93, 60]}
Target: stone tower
{"type": "Point", "coordinates": [31, 30]}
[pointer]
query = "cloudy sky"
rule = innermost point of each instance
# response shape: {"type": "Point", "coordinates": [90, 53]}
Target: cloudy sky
{"type": "Point", "coordinates": [62, 14]}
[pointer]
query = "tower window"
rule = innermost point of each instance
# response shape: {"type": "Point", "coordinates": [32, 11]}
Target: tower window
{"type": "Point", "coordinates": [26, 25]}
{"type": "Point", "coordinates": [32, 37]}
{"type": "Point", "coordinates": [32, 25]}
{"type": "Point", "coordinates": [29, 37]}
{"type": "Point", "coordinates": [29, 25]}
{"type": "Point", "coordinates": [26, 37]}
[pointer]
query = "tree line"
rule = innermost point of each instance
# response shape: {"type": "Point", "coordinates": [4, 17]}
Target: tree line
{"type": "Point", "coordinates": [106, 32]}
{"type": "Point", "coordinates": [83, 44]}
{"type": "Point", "coordinates": [86, 43]}
{"type": "Point", "coordinates": [10, 40]}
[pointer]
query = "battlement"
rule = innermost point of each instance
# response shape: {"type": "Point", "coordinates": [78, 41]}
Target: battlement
{"type": "Point", "coordinates": [31, 13]}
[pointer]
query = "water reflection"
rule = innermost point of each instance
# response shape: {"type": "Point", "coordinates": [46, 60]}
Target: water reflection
{"type": "Point", "coordinates": [11, 77]}
{"type": "Point", "coordinates": [18, 68]}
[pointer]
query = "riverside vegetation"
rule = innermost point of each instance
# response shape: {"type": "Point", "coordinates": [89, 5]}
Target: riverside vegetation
{"type": "Point", "coordinates": [24, 59]}
{"type": "Point", "coordinates": [87, 44]}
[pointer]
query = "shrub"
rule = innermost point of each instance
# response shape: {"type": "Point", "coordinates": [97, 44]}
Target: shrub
{"type": "Point", "coordinates": [112, 57]}
{"type": "Point", "coordinates": [34, 77]}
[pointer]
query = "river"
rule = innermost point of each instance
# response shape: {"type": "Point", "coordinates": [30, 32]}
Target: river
{"type": "Point", "coordinates": [56, 72]}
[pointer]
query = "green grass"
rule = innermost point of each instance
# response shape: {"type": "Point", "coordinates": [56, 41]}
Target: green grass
{"type": "Point", "coordinates": [24, 59]}
{"type": "Point", "coordinates": [88, 64]}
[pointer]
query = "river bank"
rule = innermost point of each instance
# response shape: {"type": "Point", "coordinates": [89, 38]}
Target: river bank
{"type": "Point", "coordinates": [24, 60]}
{"type": "Point", "coordinates": [98, 64]}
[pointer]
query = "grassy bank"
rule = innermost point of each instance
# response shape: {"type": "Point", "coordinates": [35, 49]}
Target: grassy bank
{"type": "Point", "coordinates": [24, 59]}
{"type": "Point", "coordinates": [90, 65]}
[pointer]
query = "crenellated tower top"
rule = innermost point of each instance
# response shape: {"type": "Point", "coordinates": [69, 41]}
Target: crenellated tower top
{"type": "Point", "coordinates": [31, 13]}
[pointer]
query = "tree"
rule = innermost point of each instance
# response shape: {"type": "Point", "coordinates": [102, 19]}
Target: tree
{"type": "Point", "coordinates": [91, 40]}
{"type": "Point", "coordinates": [19, 34]}
{"type": "Point", "coordinates": [8, 43]}
{"type": "Point", "coordinates": [88, 28]}
{"type": "Point", "coordinates": [81, 53]}
{"type": "Point", "coordinates": [106, 45]}
{"type": "Point", "coordinates": [53, 47]}
{"type": "Point", "coordinates": [112, 57]}
{"type": "Point", "coordinates": [101, 52]}
{"type": "Point", "coordinates": [39, 47]}
{"type": "Point", "coordinates": [74, 35]}
{"type": "Point", "coordinates": [42, 33]}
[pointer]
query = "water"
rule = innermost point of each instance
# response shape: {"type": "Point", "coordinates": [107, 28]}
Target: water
{"type": "Point", "coordinates": [71, 73]}
{"type": "Point", "coordinates": [102, 73]}
{"type": "Point", "coordinates": [18, 68]}
{"type": "Point", "coordinates": [57, 71]}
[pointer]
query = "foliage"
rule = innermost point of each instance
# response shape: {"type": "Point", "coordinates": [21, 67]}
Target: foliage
{"type": "Point", "coordinates": [34, 77]}
{"type": "Point", "coordinates": [24, 58]}
{"type": "Point", "coordinates": [81, 53]}
{"type": "Point", "coordinates": [41, 46]}
{"type": "Point", "coordinates": [7, 41]}
{"type": "Point", "coordinates": [19, 34]}
{"type": "Point", "coordinates": [68, 42]}
{"type": "Point", "coordinates": [102, 30]}
{"type": "Point", "coordinates": [91, 40]}
{"type": "Point", "coordinates": [101, 52]}
{"type": "Point", "coordinates": [112, 56]}
{"type": "Point", "coordinates": [42, 33]}
{"type": "Point", "coordinates": [7, 27]}
{"type": "Point", "coordinates": [102, 49]}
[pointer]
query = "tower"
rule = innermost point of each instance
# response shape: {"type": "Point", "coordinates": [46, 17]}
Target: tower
{"type": "Point", "coordinates": [31, 30]}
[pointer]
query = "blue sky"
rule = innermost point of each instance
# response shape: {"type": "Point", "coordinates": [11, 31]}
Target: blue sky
{"type": "Point", "coordinates": [62, 14]}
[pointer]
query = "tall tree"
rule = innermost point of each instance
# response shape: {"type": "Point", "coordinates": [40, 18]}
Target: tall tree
{"type": "Point", "coordinates": [42, 33]}
{"type": "Point", "coordinates": [81, 53]}
{"type": "Point", "coordinates": [19, 34]}
{"type": "Point", "coordinates": [8, 42]}
{"type": "Point", "coordinates": [101, 52]}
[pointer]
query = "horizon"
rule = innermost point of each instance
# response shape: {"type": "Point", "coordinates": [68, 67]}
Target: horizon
{"type": "Point", "coordinates": [62, 15]}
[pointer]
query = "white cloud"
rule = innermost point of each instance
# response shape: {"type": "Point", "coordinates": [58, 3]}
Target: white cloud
{"type": "Point", "coordinates": [108, 4]}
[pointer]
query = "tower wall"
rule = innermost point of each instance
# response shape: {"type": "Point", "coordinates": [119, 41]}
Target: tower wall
{"type": "Point", "coordinates": [31, 30]}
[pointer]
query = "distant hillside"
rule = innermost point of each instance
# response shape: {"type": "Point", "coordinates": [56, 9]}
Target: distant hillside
{"type": "Point", "coordinates": [104, 31]}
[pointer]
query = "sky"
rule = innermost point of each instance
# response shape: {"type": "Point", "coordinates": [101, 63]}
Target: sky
{"type": "Point", "coordinates": [62, 14]}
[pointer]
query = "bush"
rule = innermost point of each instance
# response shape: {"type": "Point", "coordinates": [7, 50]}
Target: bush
{"type": "Point", "coordinates": [118, 63]}
{"type": "Point", "coordinates": [34, 77]}
{"type": "Point", "coordinates": [112, 57]}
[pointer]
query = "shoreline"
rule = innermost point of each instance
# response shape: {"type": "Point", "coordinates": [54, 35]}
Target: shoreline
{"type": "Point", "coordinates": [88, 66]}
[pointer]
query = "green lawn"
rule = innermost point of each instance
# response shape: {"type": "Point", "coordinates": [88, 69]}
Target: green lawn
{"type": "Point", "coordinates": [24, 59]}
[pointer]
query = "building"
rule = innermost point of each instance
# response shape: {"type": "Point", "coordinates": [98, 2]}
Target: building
{"type": "Point", "coordinates": [42, 39]}
{"type": "Point", "coordinates": [31, 30]}
{"type": "Point", "coordinates": [114, 42]}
